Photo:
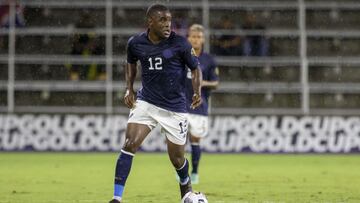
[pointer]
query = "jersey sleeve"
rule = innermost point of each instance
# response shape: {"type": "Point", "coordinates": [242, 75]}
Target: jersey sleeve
{"type": "Point", "coordinates": [213, 71]}
{"type": "Point", "coordinates": [131, 57]}
{"type": "Point", "coordinates": [189, 56]}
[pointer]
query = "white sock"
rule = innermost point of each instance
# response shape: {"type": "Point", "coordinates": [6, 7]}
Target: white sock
{"type": "Point", "coordinates": [117, 198]}
{"type": "Point", "coordinates": [185, 181]}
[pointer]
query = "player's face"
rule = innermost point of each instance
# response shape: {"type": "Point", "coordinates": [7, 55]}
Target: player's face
{"type": "Point", "coordinates": [196, 38]}
{"type": "Point", "coordinates": [160, 24]}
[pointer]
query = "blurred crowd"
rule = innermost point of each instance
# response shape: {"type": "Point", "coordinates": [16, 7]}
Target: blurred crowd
{"type": "Point", "coordinates": [5, 19]}
{"type": "Point", "coordinates": [86, 45]}
{"type": "Point", "coordinates": [232, 44]}
{"type": "Point", "coordinates": [230, 41]}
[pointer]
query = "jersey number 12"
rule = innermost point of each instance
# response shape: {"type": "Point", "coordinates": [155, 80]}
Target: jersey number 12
{"type": "Point", "coordinates": [157, 62]}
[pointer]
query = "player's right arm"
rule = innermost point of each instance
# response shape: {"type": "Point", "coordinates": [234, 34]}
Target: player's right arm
{"type": "Point", "coordinates": [130, 75]}
{"type": "Point", "coordinates": [210, 84]}
{"type": "Point", "coordinates": [196, 79]}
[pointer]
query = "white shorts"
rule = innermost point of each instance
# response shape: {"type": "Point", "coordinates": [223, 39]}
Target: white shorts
{"type": "Point", "coordinates": [173, 125]}
{"type": "Point", "coordinates": [198, 125]}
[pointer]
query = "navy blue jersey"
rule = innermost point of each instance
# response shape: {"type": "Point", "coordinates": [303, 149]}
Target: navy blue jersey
{"type": "Point", "coordinates": [163, 69]}
{"type": "Point", "coordinates": [210, 73]}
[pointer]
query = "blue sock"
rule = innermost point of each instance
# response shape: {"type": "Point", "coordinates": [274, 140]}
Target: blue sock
{"type": "Point", "coordinates": [195, 157]}
{"type": "Point", "coordinates": [183, 173]}
{"type": "Point", "coordinates": [122, 171]}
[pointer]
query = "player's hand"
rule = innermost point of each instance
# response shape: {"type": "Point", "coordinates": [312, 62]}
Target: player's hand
{"type": "Point", "coordinates": [129, 98]}
{"type": "Point", "coordinates": [196, 101]}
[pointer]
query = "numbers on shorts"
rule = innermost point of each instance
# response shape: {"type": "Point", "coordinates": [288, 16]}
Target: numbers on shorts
{"type": "Point", "coordinates": [183, 128]}
{"type": "Point", "coordinates": [155, 63]}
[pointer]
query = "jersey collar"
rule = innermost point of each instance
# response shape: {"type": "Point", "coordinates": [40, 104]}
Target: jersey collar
{"type": "Point", "coordinates": [172, 33]}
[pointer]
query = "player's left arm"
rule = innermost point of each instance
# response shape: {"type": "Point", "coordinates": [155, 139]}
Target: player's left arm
{"type": "Point", "coordinates": [192, 62]}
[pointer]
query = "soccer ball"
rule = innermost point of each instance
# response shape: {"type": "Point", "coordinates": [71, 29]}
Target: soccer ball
{"type": "Point", "coordinates": [194, 197]}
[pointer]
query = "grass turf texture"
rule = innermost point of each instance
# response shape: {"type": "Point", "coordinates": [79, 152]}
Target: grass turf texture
{"type": "Point", "coordinates": [88, 178]}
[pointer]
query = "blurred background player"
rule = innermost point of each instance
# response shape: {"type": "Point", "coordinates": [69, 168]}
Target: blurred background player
{"type": "Point", "coordinates": [227, 44]}
{"type": "Point", "coordinates": [255, 44]}
{"type": "Point", "coordinates": [86, 45]}
{"type": "Point", "coordinates": [198, 118]}
{"type": "Point", "coordinates": [164, 57]}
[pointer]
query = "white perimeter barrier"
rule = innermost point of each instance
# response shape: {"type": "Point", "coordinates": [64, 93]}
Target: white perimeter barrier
{"type": "Point", "coordinates": [263, 134]}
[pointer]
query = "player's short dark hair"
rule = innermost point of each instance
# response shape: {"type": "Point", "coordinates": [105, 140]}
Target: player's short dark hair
{"type": "Point", "coordinates": [155, 8]}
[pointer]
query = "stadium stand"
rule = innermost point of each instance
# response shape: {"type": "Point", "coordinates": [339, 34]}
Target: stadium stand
{"type": "Point", "coordinates": [312, 67]}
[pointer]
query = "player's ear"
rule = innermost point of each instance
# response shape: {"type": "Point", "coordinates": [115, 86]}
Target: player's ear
{"type": "Point", "coordinates": [149, 21]}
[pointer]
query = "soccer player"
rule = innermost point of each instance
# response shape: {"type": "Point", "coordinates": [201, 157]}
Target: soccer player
{"type": "Point", "coordinates": [164, 56]}
{"type": "Point", "coordinates": [198, 118]}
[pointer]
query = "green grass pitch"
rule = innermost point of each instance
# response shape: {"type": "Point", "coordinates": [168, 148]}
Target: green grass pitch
{"type": "Point", "coordinates": [88, 178]}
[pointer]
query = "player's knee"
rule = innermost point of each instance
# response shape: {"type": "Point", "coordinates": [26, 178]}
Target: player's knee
{"type": "Point", "coordinates": [130, 146]}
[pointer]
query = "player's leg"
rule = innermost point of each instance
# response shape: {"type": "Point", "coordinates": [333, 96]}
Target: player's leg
{"type": "Point", "coordinates": [135, 135]}
{"type": "Point", "coordinates": [139, 125]}
{"type": "Point", "coordinates": [195, 157]}
{"type": "Point", "coordinates": [174, 126]}
{"type": "Point", "coordinates": [181, 164]}
{"type": "Point", "coordinates": [198, 128]}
